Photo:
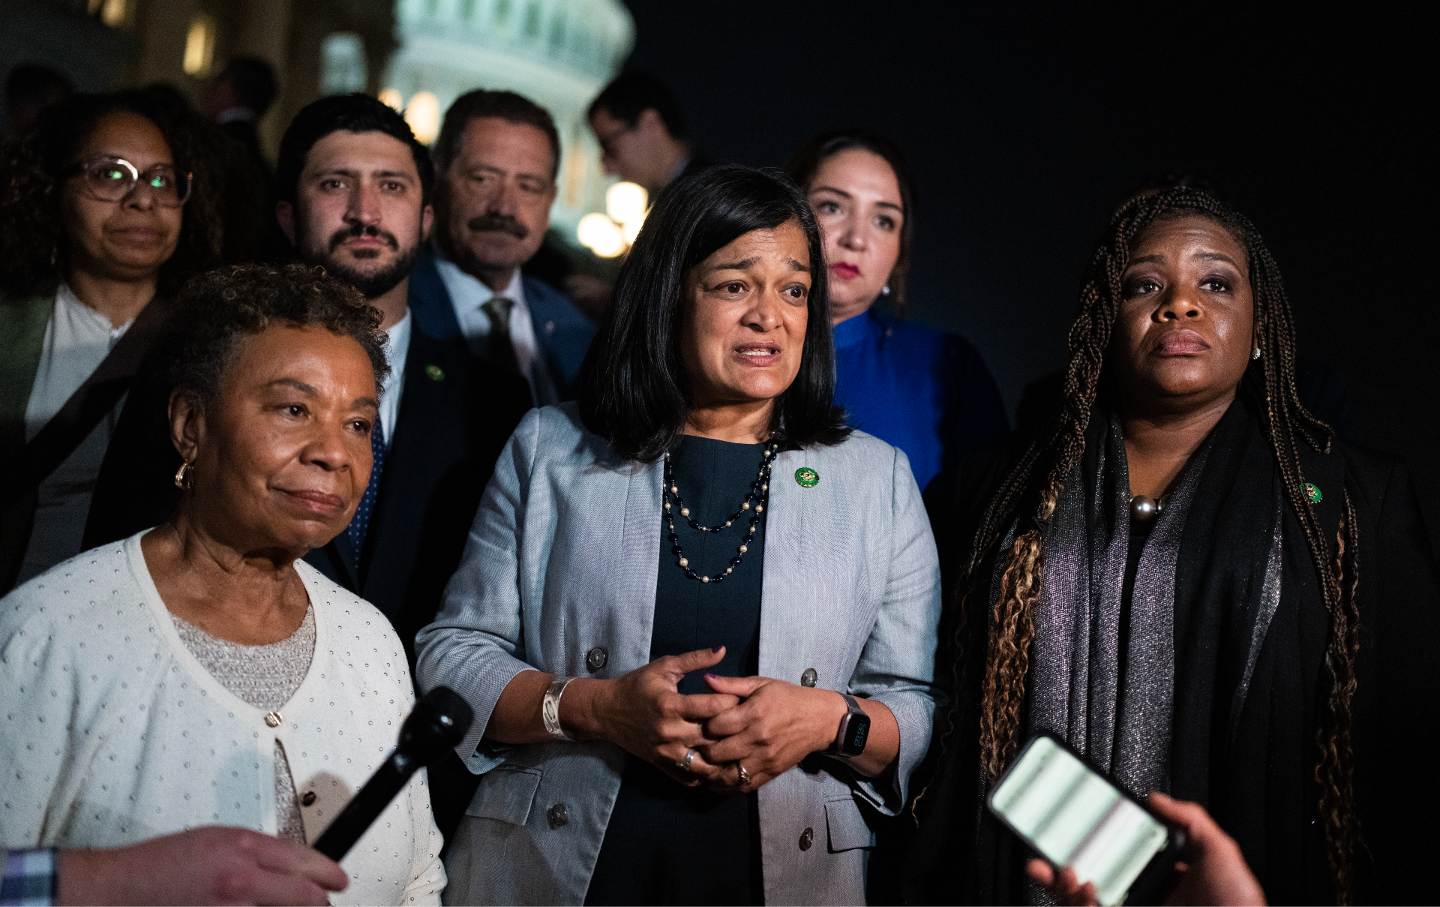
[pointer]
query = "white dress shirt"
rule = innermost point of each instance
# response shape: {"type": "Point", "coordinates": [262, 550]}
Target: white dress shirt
{"type": "Point", "coordinates": [468, 294]}
{"type": "Point", "coordinates": [397, 347]}
{"type": "Point", "coordinates": [77, 340]}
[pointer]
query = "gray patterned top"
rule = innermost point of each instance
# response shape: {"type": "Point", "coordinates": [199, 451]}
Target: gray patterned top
{"type": "Point", "coordinates": [265, 676]}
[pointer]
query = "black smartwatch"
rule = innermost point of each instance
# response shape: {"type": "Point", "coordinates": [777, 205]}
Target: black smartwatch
{"type": "Point", "coordinates": [854, 730]}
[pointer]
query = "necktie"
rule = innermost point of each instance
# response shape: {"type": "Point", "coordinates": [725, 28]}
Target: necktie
{"type": "Point", "coordinates": [502, 351]}
{"type": "Point", "coordinates": [360, 523]}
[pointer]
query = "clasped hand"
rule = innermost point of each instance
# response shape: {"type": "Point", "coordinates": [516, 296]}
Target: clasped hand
{"type": "Point", "coordinates": [765, 725]}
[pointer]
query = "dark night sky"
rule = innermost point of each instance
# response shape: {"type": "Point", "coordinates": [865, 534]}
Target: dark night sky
{"type": "Point", "coordinates": [1025, 130]}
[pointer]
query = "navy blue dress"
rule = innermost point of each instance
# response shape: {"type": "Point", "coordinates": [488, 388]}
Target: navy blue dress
{"type": "Point", "coordinates": [667, 843]}
{"type": "Point", "coordinates": [925, 391]}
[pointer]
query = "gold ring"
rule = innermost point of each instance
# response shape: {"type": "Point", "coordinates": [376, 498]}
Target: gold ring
{"type": "Point", "coordinates": [743, 772]}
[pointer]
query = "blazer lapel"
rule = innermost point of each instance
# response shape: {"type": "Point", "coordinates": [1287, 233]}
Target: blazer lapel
{"type": "Point", "coordinates": [632, 575]}
{"type": "Point", "coordinates": [21, 344]}
{"type": "Point", "coordinates": [800, 572]}
{"type": "Point", "coordinates": [422, 423]}
{"type": "Point", "coordinates": [430, 301]}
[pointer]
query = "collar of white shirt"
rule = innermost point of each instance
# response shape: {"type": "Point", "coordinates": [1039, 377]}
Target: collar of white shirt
{"type": "Point", "coordinates": [397, 347]}
{"type": "Point", "coordinates": [468, 295]}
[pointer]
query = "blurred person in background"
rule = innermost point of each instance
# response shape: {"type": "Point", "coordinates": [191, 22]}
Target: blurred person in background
{"type": "Point", "coordinates": [103, 211]}
{"type": "Point", "coordinates": [30, 89]}
{"type": "Point", "coordinates": [927, 392]}
{"type": "Point", "coordinates": [496, 160]}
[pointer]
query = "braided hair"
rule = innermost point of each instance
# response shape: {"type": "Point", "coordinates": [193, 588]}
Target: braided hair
{"type": "Point", "coordinates": [1026, 500]}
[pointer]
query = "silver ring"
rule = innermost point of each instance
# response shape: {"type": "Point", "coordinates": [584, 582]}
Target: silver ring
{"type": "Point", "coordinates": [685, 764]}
{"type": "Point", "coordinates": [743, 772]}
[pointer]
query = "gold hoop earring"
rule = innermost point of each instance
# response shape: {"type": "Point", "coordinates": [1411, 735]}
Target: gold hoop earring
{"type": "Point", "coordinates": [185, 476]}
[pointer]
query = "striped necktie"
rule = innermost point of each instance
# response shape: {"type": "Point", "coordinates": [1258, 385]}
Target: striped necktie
{"type": "Point", "coordinates": [360, 523]}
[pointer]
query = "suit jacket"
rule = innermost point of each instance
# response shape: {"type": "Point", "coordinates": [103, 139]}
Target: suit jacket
{"type": "Point", "coordinates": [560, 575]}
{"type": "Point", "coordinates": [562, 332]}
{"type": "Point", "coordinates": [22, 343]}
{"type": "Point", "coordinates": [455, 415]}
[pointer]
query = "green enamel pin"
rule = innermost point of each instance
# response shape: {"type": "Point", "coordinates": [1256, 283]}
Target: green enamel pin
{"type": "Point", "coordinates": [434, 372]}
{"type": "Point", "coordinates": [806, 477]}
{"type": "Point", "coordinates": [1313, 494]}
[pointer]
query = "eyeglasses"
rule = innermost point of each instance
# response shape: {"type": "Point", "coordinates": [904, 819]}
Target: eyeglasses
{"type": "Point", "coordinates": [107, 178]}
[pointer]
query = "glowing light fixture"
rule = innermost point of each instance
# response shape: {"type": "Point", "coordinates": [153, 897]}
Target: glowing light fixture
{"type": "Point", "coordinates": [423, 115]}
{"type": "Point", "coordinates": [626, 202]}
{"type": "Point", "coordinates": [114, 13]}
{"type": "Point", "coordinates": [601, 235]}
{"type": "Point", "coordinates": [392, 98]}
{"type": "Point", "coordinates": [199, 47]}
{"type": "Point", "coordinates": [610, 234]}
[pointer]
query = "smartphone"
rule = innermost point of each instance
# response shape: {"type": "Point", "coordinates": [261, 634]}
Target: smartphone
{"type": "Point", "coordinates": [1074, 816]}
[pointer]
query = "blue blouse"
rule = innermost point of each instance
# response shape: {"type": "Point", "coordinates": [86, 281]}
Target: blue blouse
{"type": "Point", "coordinates": [923, 390]}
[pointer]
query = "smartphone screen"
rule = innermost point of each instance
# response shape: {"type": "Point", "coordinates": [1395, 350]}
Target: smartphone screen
{"type": "Point", "coordinates": [1073, 816]}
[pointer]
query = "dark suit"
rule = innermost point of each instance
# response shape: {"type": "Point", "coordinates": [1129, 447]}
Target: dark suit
{"type": "Point", "coordinates": [562, 332]}
{"type": "Point", "coordinates": [455, 415]}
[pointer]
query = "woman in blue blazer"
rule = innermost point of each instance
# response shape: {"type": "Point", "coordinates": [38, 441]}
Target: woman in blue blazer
{"type": "Point", "coordinates": [696, 616]}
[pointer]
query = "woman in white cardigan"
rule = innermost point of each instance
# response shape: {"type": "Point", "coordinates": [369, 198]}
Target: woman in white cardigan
{"type": "Point", "coordinates": [200, 673]}
{"type": "Point", "coordinates": [696, 617]}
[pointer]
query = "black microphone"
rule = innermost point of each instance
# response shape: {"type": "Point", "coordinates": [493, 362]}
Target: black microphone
{"type": "Point", "coordinates": [438, 723]}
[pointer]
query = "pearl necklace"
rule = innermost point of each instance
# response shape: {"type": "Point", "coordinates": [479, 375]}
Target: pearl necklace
{"type": "Point", "coordinates": [754, 503]}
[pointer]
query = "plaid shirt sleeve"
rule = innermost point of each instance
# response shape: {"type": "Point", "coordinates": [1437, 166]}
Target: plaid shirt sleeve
{"type": "Point", "coordinates": [28, 879]}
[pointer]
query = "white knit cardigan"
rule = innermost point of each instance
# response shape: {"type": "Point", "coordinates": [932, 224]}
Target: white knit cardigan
{"type": "Point", "coordinates": [112, 732]}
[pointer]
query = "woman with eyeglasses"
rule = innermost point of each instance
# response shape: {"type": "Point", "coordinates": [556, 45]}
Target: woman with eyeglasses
{"type": "Point", "coordinates": [98, 223]}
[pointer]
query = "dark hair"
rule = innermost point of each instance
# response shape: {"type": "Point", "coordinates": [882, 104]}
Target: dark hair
{"type": "Point", "coordinates": [506, 105]}
{"type": "Point", "coordinates": [349, 113]}
{"type": "Point", "coordinates": [803, 166]}
{"type": "Point", "coordinates": [633, 388]}
{"type": "Point", "coordinates": [632, 93]}
{"type": "Point", "coordinates": [218, 309]}
{"type": "Point", "coordinates": [253, 81]}
{"type": "Point", "coordinates": [33, 171]}
{"type": "Point", "coordinates": [1028, 496]}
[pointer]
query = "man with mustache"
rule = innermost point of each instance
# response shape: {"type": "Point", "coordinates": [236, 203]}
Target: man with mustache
{"type": "Point", "coordinates": [496, 160]}
{"type": "Point", "coordinates": [354, 188]}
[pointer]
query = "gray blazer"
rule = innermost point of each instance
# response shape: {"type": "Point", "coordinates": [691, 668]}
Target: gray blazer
{"type": "Point", "coordinates": [559, 574]}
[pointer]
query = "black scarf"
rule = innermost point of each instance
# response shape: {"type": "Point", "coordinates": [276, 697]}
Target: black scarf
{"type": "Point", "coordinates": [1247, 696]}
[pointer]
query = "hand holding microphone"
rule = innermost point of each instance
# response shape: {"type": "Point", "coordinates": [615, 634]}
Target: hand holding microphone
{"type": "Point", "coordinates": [438, 723]}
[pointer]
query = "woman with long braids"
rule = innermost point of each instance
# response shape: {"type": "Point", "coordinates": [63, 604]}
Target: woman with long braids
{"type": "Point", "coordinates": [1193, 584]}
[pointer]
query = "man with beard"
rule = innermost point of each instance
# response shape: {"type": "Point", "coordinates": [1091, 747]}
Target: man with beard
{"type": "Point", "coordinates": [496, 160]}
{"type": "Point", "coordinates": [354, 188]}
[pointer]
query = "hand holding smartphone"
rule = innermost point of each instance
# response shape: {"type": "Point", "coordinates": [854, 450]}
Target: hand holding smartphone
{"type": "Point", "coordinates": [1075, 817]}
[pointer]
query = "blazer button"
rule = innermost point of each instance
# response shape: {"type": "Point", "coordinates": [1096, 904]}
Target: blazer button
{"type": "Point", "coordinates": [809, 678]}
{"type": "Point", "coordinates": [807, 838]}
{"type": "Point", "coordinates": [557, 816]}
{"type": "Point", "coordinates": [307, 798]}
{"type": "Point", "coordinates": [596, 659]}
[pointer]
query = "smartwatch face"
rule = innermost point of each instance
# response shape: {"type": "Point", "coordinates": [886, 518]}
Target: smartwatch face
{"type": "Point", "coordinates": [857, 731]}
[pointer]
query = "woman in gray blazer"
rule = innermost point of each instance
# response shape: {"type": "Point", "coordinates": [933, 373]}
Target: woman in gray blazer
{"type": "Point", "coordinates": [696, 616]}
